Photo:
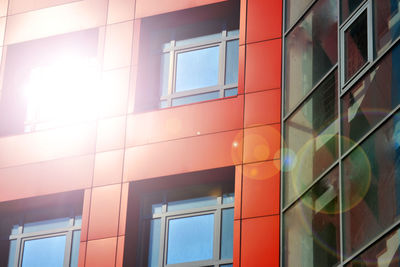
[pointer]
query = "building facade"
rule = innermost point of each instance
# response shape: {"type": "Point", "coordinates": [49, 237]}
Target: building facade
{"type": "Point", "coordinates": [140, 133]}
{"type": "Point", "coordinates": [151, 133]}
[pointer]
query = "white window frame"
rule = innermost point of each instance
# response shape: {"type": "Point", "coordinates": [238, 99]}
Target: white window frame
{"type": "Point", "coordinates": [174, 50]}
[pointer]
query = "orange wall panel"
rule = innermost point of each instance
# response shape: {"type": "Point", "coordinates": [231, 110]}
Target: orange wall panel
{"type": "Point", "coordinates": [263, 65]}
{"type": "Point", "coordinates": [101, 252]}
{"type": "Point", "coordinates": [185, 121]}
{"type": "Point", "coordinates": [260, 242]}
{"type": "Point", "coordinates": [19, 6]}
{"type": "Point", "coordinates": [185, 155]}
{"type": "Point", "coordinates": [47, 145]}
{"type": "Point", "coordinates": [261, 143]}
{"type": "Point", "coordinates": [120, 251]}
{"type": "Point", "coordinates": [238, 191]}
{"type": "Point", "coordinates": [46, 178]}
{"type": "Point", "coordinates": [264, 20]}
{"type": "Point", "coordinates": [110, 134]}
{"type": "Point", "coordinates": [61, 19]}
{"type": "Point", "coordinates": [261, 189]}
{"type": "Point", "coordinates": [104, 212]}
{"type": "Point", "coordinates": [118, 45]}
{"type": "Point", "coordinates": [120, 10]}
{"type": "Point", "coordinates": [108, 167]}
{"type": "Point", "coordinates": [3, 7]}
{"type": "Point", "coordinates": [262, 108]}
{"type": "Point", "coordinates": [145, 8]}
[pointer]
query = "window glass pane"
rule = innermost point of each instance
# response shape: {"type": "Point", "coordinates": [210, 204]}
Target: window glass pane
{"type": "Point", "coordinates": [15, 229]}
{"type": "Point", "coordinates": [348, 6]}
{"type": "Point", "coordinates": [387, 23]}
{"type": "Point", "coordinates": [384, 253]}
{"type": "Point", "coordinates": [371, 175]}
{"type": "Point", "coordinates": [192, 203]}
{"type": "Point", "coordinates": [232, 62]}
{"type": "Point", "coordinates": [46, 225]}
{"type": "Point", "coordinates": [44, 252]}
{"type": "Point", "coordinates": [311, 226]}
{"type": "Point", "coordinates": [154, 242]}
{"type": "Point", "coordinates": [194, 98]}
{"type": "Point", "coordinates": [228, 198]}
{"type": "Point", "coordinates": [156, 208]}
{"type": "Point", "coordinates": [227, 234]}
{"type": "Point", "coordinates": [197, 69]}
{"type": "Point", "coordinates": [356, 45]}
{"type": "Point", "coordinates": [294, 9]}
{"type": "Point", "coordinates": [199, 39]}
{"type": "Point", "coordinates": [190, 239]}
{"type": "Point", "coordinates": [233, 33]}
{"type": "Point", "coordinates": [311, 139]}
{"type": "Point", "coordinates": [163, 104]}
{"type": "Point", "coordinates": [11, 253]}
{"type": "Point", "coordinates": [78, 220]}
{"type": "Point", "coordinates": [227, 265]}
{"type": "Point", "coordinates": [164, 73]}
{"type": "Point", "coordinates": [311, 51]}
{"type": "Point", "coordinates": [76, 237]}
{"type": "Point", "coordinates": [230, 92]}
{"type": "Point", "coordinates": [371, 99]}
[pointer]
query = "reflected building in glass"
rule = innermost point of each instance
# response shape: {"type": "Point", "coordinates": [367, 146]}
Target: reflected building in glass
{"type": "Point", "coordinates": [341, 102]}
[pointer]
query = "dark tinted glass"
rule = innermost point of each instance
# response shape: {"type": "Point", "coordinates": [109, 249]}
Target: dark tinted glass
{"type": "Point", "coordinates": [311, 139]}
{"type": "Point", "coordinates": [311, 226]}
{"type": "Point", "coordinates": [311, 51]}
{"type": "Point", "coordinates": [371, 195]}
{"type": "Point", "coordinates": [356, 45]}
{"type": "Point", "coordinates": [190, 239]}
{"type": "Point", "coordinates": [371, 99]}
{"type": "Point", "coordinates": [387, 23]}
{"type": "Point", "coordinates": [45, 252]}
{"type": "Point", "coordinates": [197, 69]}
{"type": "Point", "coordinates": [384, 253]}
{"type": "Point", "coordinates": [348, 6]}
{"type": "Point", "coordinates": [294, 9]}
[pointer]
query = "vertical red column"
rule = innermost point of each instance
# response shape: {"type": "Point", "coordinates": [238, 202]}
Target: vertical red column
{"type": "Point", "coordinates": [257, 216]}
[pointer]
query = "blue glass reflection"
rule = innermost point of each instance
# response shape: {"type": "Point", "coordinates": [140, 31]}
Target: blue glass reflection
{"type": "Point", "coordinates": [227, 234]}
{"type": "Point", "coordinates": [11, 253]}
{"type": "Point", "coordinates": [46, 225]}
{"type": "Point", "coordinates": [232, 62]}
{"type": "Point", "coordinates": [197, 69]}
{"type": "Point", "coordinates": [154, 242]}
{"type": "Point", "coordinates": [231, 92]}
{"type": "Point", "coordinates": [76, 237]}
{"type": "Point", "coordinates": [192, 203]}
{"type": "Point", "coordinates": [194, 98]}
{"type": "Point", "coordinates": [190, 239]}
{"type": "Point", "coordinates": [44, 252]}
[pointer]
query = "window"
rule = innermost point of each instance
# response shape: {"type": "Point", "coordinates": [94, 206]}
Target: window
{"type": "Point", "coordinates": [356, 38]}
{"type": "Point", "coordinates": [50, 82]}
{"type": "Point", "coordinates": [192, 226]}
{"type": "Point", "coordinates": [41, 235]}
{"type": "Point", "coordinates": [188, 56]}
{"type": "Point", "coordinates": [199, 68]}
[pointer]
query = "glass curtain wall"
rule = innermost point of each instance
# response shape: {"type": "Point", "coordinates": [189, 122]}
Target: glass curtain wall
{"type": "Point", "coordinates": [341, 133]}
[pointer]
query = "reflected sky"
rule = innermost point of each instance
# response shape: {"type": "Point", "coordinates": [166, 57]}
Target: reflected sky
{"type": "Point", "coordinates": [190, 239]}
{"type": "Point", "coordinates": [197, 69]}
{"type": "Point", "coordinates": [45, 252]}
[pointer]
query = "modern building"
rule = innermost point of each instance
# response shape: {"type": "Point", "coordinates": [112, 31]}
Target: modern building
{"type": "Point", "coordinates": [150, 133]}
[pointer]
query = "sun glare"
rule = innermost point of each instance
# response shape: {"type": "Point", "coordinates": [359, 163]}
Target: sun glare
{"type": "Point", "coordinates": [63, 92]}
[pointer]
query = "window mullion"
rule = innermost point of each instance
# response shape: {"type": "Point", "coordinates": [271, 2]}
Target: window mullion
{"type": "Point", "coordinates": [217, 234]}
{"type": "Point", "coordinates": [18, 254]}
{"type": "Point", "coordinates": [172, 66]}
{"type": "Point", "coordinates": [162, 254]}
{"type": "Point", "coordinates": [221, 68]}
{"type": "Point", "coordinates": [68, 244]}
